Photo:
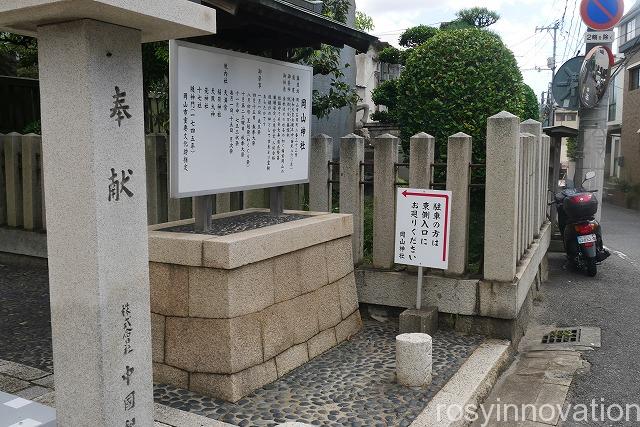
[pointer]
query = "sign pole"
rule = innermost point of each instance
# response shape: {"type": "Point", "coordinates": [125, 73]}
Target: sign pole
{"type": "Point", "coordinates": [203, 208]}
{"type": "Point", "coordinates": [276, 201]}
{"type": "Point", "coordinates": [419, 290]}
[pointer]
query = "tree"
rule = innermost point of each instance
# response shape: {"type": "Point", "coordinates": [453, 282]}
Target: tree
{"type": "Point", "coordinates": [475, 17]}
{"type": "Point", "coordinates": [453, 83]}
{"type": "Point", "coordinates": [531, 108]}
{"type": "Point", "coordinates": [572, 148]}
{"type": "Point", "coordinates": [415, 36]}
{"type": "Point", "coordinates": [364, 22]}
{"type": "Point", "coordinates": [386, 94]}
{"type": "Point", "coordinates": [391, 55]}
{"type": "Point", "coordinates": [479, 17]}
{"type": "Point", "coordinates": [21, 53]}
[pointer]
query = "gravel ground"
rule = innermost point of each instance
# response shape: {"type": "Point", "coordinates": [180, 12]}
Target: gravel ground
{"type": "Point", "coordinates": [352, 384]}
{"type": "Point", "coordinates": [239, 223]}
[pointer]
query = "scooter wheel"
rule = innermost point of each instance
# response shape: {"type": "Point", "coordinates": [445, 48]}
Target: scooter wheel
{"type": "Point", "coordinates": [592, 267]}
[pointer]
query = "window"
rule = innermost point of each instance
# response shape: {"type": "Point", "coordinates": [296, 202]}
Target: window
{"type": "Point", "coordinates": [628, 31]}
{"type": "Point", "coordinates": [634, 78]}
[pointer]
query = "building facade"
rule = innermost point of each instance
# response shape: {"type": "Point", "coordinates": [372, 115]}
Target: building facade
{"type": "Point", "coordinates": [626, 156]}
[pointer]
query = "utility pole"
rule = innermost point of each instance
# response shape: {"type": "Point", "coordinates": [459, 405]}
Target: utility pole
{"type": "Point", "coordinates": [592, 139]}
{"type": "Point", "coordinates": [551, 63]}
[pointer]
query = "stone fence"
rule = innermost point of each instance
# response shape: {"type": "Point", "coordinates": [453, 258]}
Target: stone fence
{"type": "Point", "coordinates": [516, 231]}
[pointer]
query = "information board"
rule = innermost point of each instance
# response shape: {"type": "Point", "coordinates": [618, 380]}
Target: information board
{"type": "Point", "coordinates": [423, 219]}
{"type": "Point", "coordinates": [238, 121]}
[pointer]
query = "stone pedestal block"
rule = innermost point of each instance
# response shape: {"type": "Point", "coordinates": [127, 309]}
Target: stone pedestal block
{"type": "Point", "coordinates": [423, 321]}
{"type": "Point", "coordinates": [414, 360]}
{"type": "Point", "coordinates": [236, 312]}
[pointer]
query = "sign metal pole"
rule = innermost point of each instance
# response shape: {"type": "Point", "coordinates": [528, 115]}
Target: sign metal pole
{"type": "Point", "coordinates": [419, 290]}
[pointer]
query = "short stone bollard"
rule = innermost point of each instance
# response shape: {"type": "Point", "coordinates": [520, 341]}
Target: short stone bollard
{"type": "Point", "coordinates": [413, 359]}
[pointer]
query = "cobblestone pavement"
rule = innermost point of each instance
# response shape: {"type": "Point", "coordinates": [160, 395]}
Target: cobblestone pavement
{"type": "Point", "coordinates": [352, 384]}
{"type": "Point", "coordinates": [25, 316]}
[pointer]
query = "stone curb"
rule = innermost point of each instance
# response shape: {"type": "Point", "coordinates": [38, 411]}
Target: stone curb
{"type": "Point", "coordinates": [469, 386]}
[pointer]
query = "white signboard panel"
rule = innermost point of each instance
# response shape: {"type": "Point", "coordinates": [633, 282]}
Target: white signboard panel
{"type": "Point", "coordinates": [237, 121]}
{"type": "Point", "coordinates": [423, 219]}
{"type": "Point", "coordinates": [599, 37]}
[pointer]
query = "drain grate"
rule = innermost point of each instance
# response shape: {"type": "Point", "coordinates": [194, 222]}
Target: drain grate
{"type": "Point", "coordinates": [562, 336]}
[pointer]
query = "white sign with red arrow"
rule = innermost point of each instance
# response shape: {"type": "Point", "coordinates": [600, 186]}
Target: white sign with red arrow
{"type": "Point", "coordinates": [423, 219]}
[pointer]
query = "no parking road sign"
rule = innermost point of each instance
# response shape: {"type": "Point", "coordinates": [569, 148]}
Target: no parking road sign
{"type": "Point", "coordinates": [601, 14]}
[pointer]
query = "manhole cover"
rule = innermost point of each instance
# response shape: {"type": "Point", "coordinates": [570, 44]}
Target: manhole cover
{"type": "Point", "coordinates": [560, 336]}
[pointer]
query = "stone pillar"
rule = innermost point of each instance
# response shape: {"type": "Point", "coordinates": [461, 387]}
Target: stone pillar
{"type": "Point", "coordinates": [533, 189]}
{"type": "Point", "coordinates": [521, 198]}
{"type": "Point", "coordinates": [548, 174]}
{"type": "Point", "coordinates": [3, 187]}
{"type": "Point", "coordinates": [385, 156]}
{"type": "Point", "coordinates": [179, 208]}
{"type": "Point", "coordinates": [31, 182]}
{"type": "Point", "coordinates": [319, 186]}
{"type": "Point", "coordinates": [256, 198]}
{"type": "Point", "coordinates": [501, 199]}
{"type": "Point", "coordinates": [95, 178]}
{"type": "Point", "coordinates": [414, 360]}
{"type": "Point", "coordinates": [351, 192]}
{"type": "Point", "coordinates": [459, 157]}
{"type": "Point", "coordinates": [422, 148]}
{"type": "Point", "coordinates": [535, 128]}
{"type": "Point", "coordinates": [13, 180]}
{"type": "Point", "coordinates": [152, 153]}
{"type": "Point", "coordinates": [223, 202]}
{"type": "Point", "coordinates": [294, 197]}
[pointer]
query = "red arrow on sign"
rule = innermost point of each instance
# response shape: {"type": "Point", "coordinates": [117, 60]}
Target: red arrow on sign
{"type": "Point", "coordinates": [406, 193]}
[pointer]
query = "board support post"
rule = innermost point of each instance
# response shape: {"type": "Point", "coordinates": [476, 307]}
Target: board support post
{"type": "Point", "coordinates": [276, 201]}
{"type": "Point", "coordinates": [203, 208]}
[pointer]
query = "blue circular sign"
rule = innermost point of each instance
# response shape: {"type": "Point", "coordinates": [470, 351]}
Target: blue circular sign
{"type": "Point", "coordinates": [601, 14]}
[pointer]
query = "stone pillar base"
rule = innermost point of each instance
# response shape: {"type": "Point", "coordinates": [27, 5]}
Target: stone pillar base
{"type": "Point", "coordinates": [423, 321]}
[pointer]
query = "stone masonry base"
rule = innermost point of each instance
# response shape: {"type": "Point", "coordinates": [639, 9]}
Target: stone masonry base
{"type": "Point", "coordinates": [232, 314]}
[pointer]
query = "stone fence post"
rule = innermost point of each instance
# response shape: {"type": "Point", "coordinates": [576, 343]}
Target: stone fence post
{"type": "Point", "coordinates": [459, 157]}
{"type": "Point", "coordinates": [385, 156]}
{"type": "Point", "coordinates": [421, 153]}
{"type": "Point", "coordinates": [549, 179]}
{"type": "Point", "coordinates": [154, 149]}
{"type": "Point", "coordinates": [223, 202]}
{"type": "Point", "coordinates": [13, 180]}
{"type": "Point", "coordinates": [32, 181]}
{"type": "Point", "coordinates": [351, 191]}
{"type": "Point", "coordinates": [534, 128]}
{"type": "Point", "coordinates": [3, 185]}
{"type": "Point", "coordinates": [319, 186]}
{"type": "Point", "coordinates": [501, 199]}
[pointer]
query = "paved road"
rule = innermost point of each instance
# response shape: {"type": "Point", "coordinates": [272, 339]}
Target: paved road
{"type": "Point", "coordinates": [610, 301]}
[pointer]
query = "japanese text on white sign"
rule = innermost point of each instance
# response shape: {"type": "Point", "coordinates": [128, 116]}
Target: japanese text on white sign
{"type": "Point", "coordinates": [422, 227]}
{"type": "Point", "coordinates": [237, 121]}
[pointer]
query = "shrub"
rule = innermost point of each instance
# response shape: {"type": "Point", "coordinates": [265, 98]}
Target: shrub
{"type": "Point", "coordinates": [453, 83]}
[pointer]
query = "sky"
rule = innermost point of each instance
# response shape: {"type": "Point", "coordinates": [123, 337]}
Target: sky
{"type": "Point", "coordinates": [517, 27]}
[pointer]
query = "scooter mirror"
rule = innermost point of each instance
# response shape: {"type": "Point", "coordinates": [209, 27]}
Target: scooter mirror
{"type": "Point", "coordinates": [589, 175]}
